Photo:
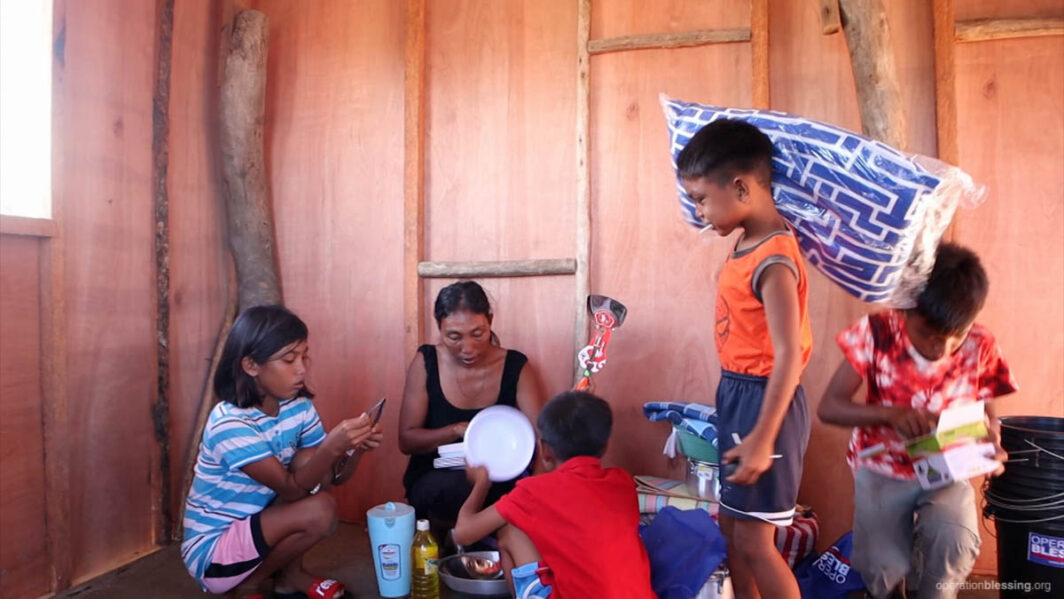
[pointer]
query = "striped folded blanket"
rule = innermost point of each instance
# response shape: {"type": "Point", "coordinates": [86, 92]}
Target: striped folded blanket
{"type": "Point", "coordinates": [697, 419]}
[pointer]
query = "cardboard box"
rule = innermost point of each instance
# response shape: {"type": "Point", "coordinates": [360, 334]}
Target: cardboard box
{"type": "Point", "coordinates": [955, 450]}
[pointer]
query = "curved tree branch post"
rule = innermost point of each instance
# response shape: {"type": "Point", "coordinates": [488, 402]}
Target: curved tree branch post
{"type": "Point", "coordinates": [247, 202]}
{"type": "Point", "coordinates": [243, 102]}
{"type": "Point", "coordinates": [872, 54]}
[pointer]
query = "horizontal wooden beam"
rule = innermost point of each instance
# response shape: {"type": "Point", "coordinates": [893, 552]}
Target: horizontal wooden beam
{"type": "Point", "coordinates": [21, 225]}
{"type": "Point", "coordinates": [996, 29]}
{"type": "Point", "coordinates": [668, 40]}
{"type": "Point", "coordinates": [507, 268]}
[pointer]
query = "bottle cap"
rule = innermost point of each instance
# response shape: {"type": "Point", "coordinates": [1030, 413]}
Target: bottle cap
{"type": "Point", "coordinates": [422, 524]}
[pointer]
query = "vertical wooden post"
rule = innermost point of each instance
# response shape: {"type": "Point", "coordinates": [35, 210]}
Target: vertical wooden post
{"type": "Point", "coordinates": [868, 37]}
{"type": "Point", "coordinates": [945, 82]}
{"type": "Point", "coordinates": [160, 149]}
{"type": "Point", "coordinates": [759, 58]}
{"type": "Point", "coordinates": [413, 175]}
{"type": "Point", "coordinates": [946, 91]}
{"type": "Point", "coordinates": [583, 177]}
{"type": "Point", "coordinates": [53, 330]}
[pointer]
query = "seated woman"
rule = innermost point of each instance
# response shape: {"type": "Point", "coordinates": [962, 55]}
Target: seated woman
{"type": "Point", "coordinates": [446, 385]}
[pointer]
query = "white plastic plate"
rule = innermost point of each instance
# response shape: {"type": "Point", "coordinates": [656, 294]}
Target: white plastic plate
{"type": "Point", "coordinates": [501, 439]}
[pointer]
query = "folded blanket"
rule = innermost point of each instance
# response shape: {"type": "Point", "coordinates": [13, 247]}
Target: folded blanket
{"type": "Point", "coordinates": [696, 418]}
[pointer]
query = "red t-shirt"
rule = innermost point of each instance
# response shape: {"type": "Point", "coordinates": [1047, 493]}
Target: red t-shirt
{"type": "Point", "coordinates": [879, 349]}
{"type": "Point", "coordinates": [584, 521]}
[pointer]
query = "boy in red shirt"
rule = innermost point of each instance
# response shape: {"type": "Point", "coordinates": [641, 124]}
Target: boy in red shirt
{"type": "Point", "coordinates": [916, 363]}
{"type": "Point", "coordinates": [763, 340]}
{"type": "Point", "coordinates": [572, 532]}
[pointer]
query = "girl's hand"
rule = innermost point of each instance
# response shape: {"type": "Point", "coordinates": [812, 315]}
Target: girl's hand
{"type": "Point", "coordinates": [912, 422]}
{"type": "Point", "coordinates": [373, 441]}
{"type": "Point", "coordinates": [753, 456]}
{"type": "Point", "coordinates": [349, 434]}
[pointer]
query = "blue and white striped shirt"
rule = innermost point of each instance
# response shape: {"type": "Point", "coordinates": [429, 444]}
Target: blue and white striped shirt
{"type": "Point", "coordinates": [221, 493]}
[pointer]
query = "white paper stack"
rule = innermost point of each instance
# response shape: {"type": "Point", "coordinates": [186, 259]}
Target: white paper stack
{"type": "Point", "coordinates": [451, 456]}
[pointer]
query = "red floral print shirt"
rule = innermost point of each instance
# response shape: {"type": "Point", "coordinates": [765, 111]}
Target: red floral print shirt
{"type": "Point", "coordinates": [879, 349]}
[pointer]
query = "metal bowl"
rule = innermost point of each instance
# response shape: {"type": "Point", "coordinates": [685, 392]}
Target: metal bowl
{"type": "Point", "coordinates": [454, 574]}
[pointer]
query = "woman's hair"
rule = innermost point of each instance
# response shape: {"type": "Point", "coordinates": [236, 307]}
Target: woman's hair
{"type": "Point", "coordinates": [258, 333]}
{"type": "Point", "coordinates": [463, 296]}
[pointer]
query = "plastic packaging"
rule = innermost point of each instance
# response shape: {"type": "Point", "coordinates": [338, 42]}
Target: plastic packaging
{"type": "Point", "coordinates": [425, 557]}
{"type": "Point", "coordinates": [867, 216]}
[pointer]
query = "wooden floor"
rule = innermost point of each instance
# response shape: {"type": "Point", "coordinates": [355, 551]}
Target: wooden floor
{"type": "Point", "coordinates": [344, 556]}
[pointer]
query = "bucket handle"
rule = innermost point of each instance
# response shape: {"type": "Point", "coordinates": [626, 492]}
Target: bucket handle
{"type": "Point", "coordinates": [1043, 449]}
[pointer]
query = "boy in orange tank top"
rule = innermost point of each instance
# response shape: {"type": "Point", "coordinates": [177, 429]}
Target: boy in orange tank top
{"type": "Point", "coordinates": [764, 340]}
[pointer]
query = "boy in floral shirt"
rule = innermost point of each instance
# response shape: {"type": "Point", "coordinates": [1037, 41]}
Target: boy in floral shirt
{"type": "Point", "coordinates": [915, 363]}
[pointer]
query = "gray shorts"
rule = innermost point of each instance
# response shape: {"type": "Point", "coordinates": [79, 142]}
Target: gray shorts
{"type": "Point", "coordinates": [901, 531]}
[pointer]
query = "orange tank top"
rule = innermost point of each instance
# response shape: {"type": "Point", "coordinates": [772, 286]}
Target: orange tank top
{"type": "Point", "coordinates": [743, 341]}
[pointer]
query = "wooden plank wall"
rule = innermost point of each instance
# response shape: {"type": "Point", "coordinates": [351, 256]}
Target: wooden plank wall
{"type": "Point", "coordinates": [501, 163]}
{"type": "Point", "coordinates": [1010, 102]}
{"type": "Point", "coordinates": [25, 567]}
{"type": "Point", "coordinates": [198, 250]}
{"type": "Point", "coordinates": [642, 253]}
{"type": "Point", "coordinates": [334, 147]}
{"type": "Point", "coordinates": [104, 158]}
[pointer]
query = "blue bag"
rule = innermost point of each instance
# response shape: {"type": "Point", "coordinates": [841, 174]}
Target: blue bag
{"type": "Point", "coordinates": [829, 575]}
{"type": "Point", "coordinates": [684, 547]}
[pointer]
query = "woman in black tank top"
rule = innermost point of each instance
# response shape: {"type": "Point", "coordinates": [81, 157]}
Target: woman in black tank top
{"type": "Point", "coordinates": [449, 383]}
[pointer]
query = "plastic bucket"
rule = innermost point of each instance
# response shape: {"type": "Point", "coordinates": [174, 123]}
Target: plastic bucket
{"type": "Point", "coordinates": [1027, 504]}
{"type": "Point", "coordinates": [391, 532]}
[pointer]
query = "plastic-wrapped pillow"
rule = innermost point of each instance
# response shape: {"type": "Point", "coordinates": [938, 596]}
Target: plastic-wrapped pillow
{"type": "Point", "coordinates": [867, 216]}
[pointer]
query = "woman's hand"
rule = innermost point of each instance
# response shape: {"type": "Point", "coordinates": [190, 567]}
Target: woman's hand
{"type": "Point", "coordinates": [458, 429]}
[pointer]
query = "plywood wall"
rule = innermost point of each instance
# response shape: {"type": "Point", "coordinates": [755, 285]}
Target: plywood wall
{"type": "Point", "coordinates": [24, 560]}
{"type": "Point", "coordinates": [104, 161]}
{"type": "Point", "coordinates": [1010, 102]}
{"type": "Point", "coordinates": [334, 120]}
{"type": "Point", "coordinates": [198, 250]}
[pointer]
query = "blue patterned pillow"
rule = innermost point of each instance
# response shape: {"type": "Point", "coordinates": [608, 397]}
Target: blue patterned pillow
{"type": "Point", "coordinates": [867, 216]}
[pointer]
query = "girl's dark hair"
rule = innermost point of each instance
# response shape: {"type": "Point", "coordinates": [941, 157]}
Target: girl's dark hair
{"type": "Point", "coordinates": [463, 296]}
{"type": "Point", "coordinates": [955, 291]}
{"type": "Point", "coordinates": [258, 333]}
{"type": "Point", "coordinates": [576, 423]}
{"type": "Point", "coordinates": [726, 147]}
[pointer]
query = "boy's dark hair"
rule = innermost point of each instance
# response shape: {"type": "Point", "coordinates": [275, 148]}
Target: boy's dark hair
{"type": "Point", "coordinates": [724, 148]}
{"type": "Point", "coordinates": [466, 296]}
{"type": "Point", "coordinates": [575, 423]}
{"type": "Point", "coordinates": [955, 291]}
{"type": "Point", "coordinates": [258, 333]}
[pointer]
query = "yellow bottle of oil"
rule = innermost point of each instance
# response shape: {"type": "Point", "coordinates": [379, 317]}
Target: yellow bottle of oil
{"type": "Point", "coordinates": [425, 560]}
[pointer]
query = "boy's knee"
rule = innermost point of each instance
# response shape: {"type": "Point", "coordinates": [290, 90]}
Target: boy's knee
{"type": "Point", "coordinates": [946, 547]}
